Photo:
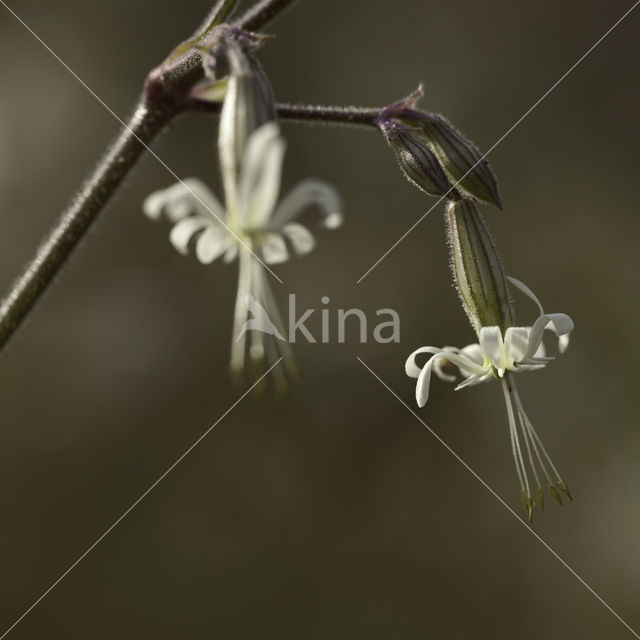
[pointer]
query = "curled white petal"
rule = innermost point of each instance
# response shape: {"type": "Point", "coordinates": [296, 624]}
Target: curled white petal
{"type": "Point", "coordinates": [411, 368]}
{"type": "Point", "coordinates": [184, 230]}
{"type": "Point", "coordinates": [440, 363]}
{"type": "Point", "coordinates": [422, 386]}
{"type": "Point", "coordinates": [423, 373]}
{"type": "Point", "coordinates": [305, 194]}
{"type": "Point", "coordinates": [473, 352]}
{"type": "Point", "coordinates": [212, 244]}
{"type": "Point", "coordinates": [540, 351]}
{"type": "Point", "coordinates": [274, 248]}
{"type": "Point", "coordinates": [424, 378]}
{"type": "Point", "coordinates": [231, 253]}
{"type": "Point", "coordinates": [560, 323]}
{"type": "Point", "coordinates": [153, 204]}
{"type": "Point", "coordinates": [190, 196]}
{"type": "Point", "coordinates": [301, 238]}
{"type": "Point", "coordinates": [523, 287]}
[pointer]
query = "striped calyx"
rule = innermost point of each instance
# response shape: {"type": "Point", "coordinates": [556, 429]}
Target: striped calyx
{"type": "Point", "coordinates": [248, 104]}
{"type": "Point", "coordinates": [477, 268]}
{"type": "Point", "coordinates": [462, 161]}
{"type": "Point", "coordinates": [418, 163]}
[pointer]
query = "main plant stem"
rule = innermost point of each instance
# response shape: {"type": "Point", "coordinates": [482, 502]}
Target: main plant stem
{"type": "Point", "coordinates": [76, 220]}
{"type": "Point", "coordinates": [164, 98]}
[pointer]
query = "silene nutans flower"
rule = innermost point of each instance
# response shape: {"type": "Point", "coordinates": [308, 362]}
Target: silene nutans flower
{"type": "Point", "coordinates": [250, 227]}
{"type": "Point", "coordinates": [503, 349]}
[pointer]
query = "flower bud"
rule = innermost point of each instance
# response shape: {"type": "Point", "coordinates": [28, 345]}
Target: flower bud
{"type": "Point", "coordinates": [477, 268]}
{"type": "Point", "coordinates": [418, 163]}
{"type": "Point", "coordinates": [464, 165]}
{"type": "Point", "coordinates": [462, 161]}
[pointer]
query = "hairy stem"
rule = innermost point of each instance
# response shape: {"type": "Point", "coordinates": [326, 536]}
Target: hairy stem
{"type": "Point", "coordinates": [349, 116]}
{"type": "Point", "coordinates": [166, 90]}
{"type": "Point", "coordinates": [76, 220]}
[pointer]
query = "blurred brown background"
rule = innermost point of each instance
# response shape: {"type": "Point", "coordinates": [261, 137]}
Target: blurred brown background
{"type": "Point", "coordinates": [332, 513]}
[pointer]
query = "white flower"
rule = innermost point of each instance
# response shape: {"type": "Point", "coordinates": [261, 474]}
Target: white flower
{"type": "Point", "coordinates": [499, 356]}
{"type": "Point", "coordinates": [251, 228]}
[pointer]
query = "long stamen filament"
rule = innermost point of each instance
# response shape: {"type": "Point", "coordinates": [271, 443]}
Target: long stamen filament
{"type": "Point", "coordinates": [274, 347]}
{"type": "Point", "coordinates": [526, 436]}
{"type": "Point", "coordinates": [533, 431]}
{"type": "Point", "coordinates": [543, 466]}
{"type": "Point", "coordinates": [536, 439]}
{"type": "Point", "coordinates": [516, 451]}
{"type": "Point", "coordinates": [257, 349]}
{"type": "Point", "coordinates": [238, 346]}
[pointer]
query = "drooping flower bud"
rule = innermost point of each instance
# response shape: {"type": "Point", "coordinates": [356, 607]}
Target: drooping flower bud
{"type": "Point", "coordinates": [477, 268]}
{"type": "Point", "coordinates": [418, 163]}
{"type": "Point", "coordinates": [466, 168]}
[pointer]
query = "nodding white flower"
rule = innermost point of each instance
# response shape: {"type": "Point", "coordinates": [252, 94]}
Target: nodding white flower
{"type": "Point", "coordinates": [250, 228]}
{"type": "Point", "coordinates": [499, 355]}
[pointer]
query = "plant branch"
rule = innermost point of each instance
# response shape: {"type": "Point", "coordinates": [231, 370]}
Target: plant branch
{"type": "Point", "coordinates": [349, 116]}
{"type": "Point", "coordinates": [164, 97]}
{"type": "Point", "coordinates": [262, 13]}
{"type": "Point", "coordinates": [76, 220]}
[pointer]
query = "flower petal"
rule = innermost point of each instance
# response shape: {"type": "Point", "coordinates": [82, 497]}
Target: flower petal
{"type": "Point", "coordinates": [439, 363]}
{"type": "Point", "coordinates": [540, 351]}
{"type": "Point", "coordinates": [274, 249]}
{"type": "Point", "coordinates": [300, 237]}
{"type": "Point", "coordinates": [424, 379]}
{"type": "Point", "coordinates": [153, 204]}
{"type": "Point", "coordinates": [516, 343]}
{"type": "Point", "coordinates": [212, 244]}
{"type": "Point", "coordinates": [474, 353]}
{"type": "Point", "coordinates": [422, 386]}
{"type": "Point", "coordinates": [492, 346]}
{"type": "Point", "coordinates": [231, 253]}
{"type": "Point", "coordinates": [523, 287]}
{"type": "Point", "coordinates": [410, 366]}
{"type": "Point", "coordinates": [181, 199]}
{"type": "Point", "coordinates": [307, 193]}
{"type": "Point", "coordinates": [413, 370]}
{"type": "Point", "coordinates": [184, 230]}
{"type": "Point", "coordinates": [560, 323]}
{"type": "Point", "coordinates": [260, 177]}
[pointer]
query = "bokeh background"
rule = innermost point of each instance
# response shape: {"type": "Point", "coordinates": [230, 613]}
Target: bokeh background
{"type": "Point", "coordinates": [332, 513]}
